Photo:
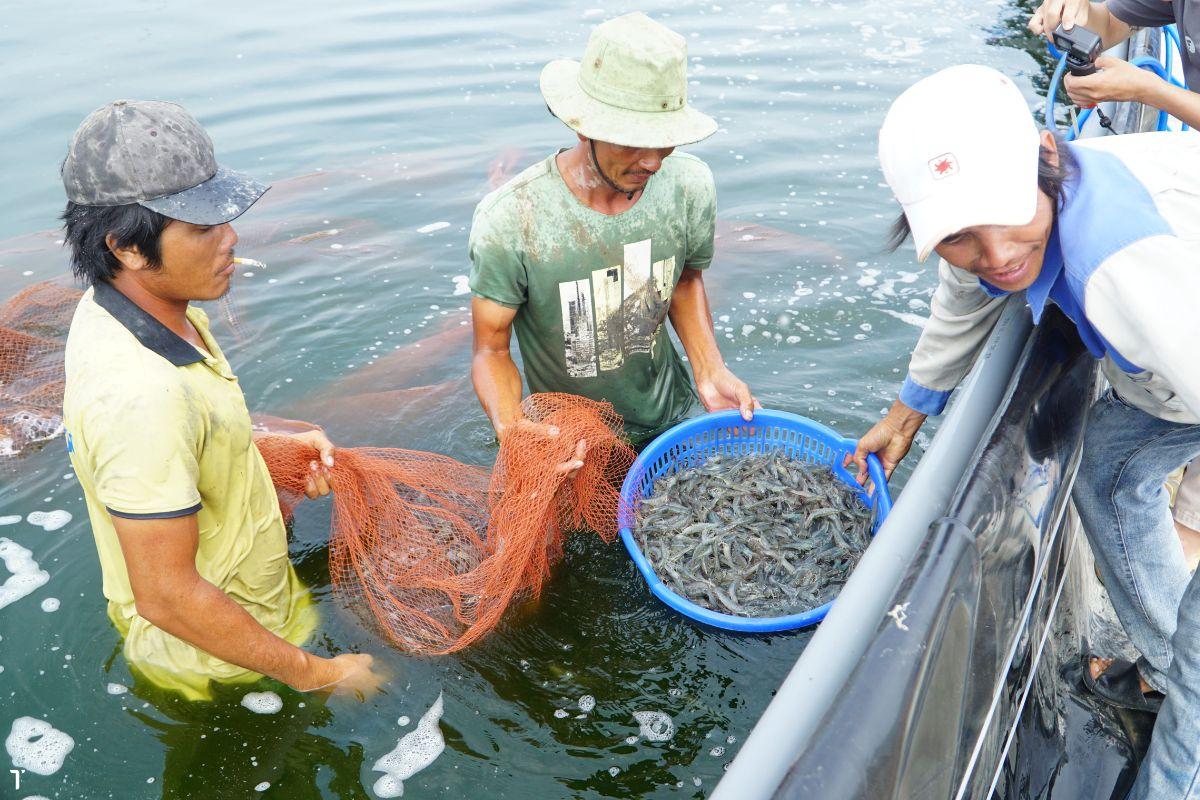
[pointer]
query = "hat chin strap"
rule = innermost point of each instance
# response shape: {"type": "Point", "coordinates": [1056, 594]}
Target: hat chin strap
{"type": "Point", "coordinates": [629, 193]}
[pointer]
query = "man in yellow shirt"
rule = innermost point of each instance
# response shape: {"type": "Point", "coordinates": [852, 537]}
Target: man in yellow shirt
{"type": "Point", "coordinates": [191, 541]}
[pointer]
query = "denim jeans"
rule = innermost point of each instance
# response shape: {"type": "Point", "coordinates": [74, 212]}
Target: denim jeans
{"type": "Point", "coordinates": [1125, 511]}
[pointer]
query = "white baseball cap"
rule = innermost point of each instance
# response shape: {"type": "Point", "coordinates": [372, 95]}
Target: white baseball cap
{"type": "Point", "coordinates": [958, 149]}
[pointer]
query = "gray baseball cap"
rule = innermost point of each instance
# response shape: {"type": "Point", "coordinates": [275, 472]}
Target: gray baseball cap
{"type": "Point", "coordinates": [154, 154]}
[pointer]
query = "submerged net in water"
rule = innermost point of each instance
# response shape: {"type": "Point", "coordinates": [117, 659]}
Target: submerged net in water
{"type": "Point", "coordinates": [758, 535]}
{"type": "Point", "coordinates": [33, 329]}
{"type": "Point", "coordinates": [433, 550]}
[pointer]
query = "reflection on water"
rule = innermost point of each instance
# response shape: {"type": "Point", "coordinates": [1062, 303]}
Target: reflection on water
{"type": "Point", "coordinates": [381, 127]}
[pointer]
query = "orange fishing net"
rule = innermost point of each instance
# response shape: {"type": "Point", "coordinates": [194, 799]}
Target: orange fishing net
{"type": "Point", "coordinates": [436, 549]}
{"type": "Point", "coordinates": [439, 549]}
{"type": "Point", "coordinates": [33, 328]}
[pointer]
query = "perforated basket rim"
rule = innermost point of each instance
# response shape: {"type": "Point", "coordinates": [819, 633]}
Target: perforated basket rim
{"type": "Point", "coordinates": [714, 430]}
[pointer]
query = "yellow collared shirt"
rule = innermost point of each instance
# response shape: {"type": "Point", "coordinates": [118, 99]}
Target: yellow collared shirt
{"type": "Point", "coordinates": [157, 429]}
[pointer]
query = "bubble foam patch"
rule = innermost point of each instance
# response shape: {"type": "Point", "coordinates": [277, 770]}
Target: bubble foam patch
{"type": "Point", "coordinates": [37, 746]}
{"type": "Point", "coordinates": [263, 702]}
{"type": "Point", "coordinates": [49, 520]}
{"type": "Point", "coordinates": [414, 752]}
{"type": "Point", "coordinates": [655, 725]}
{"type": "Point", "coordinates": [26, 575]}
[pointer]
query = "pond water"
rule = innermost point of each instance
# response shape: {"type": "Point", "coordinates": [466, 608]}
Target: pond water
{"type": "Point", "coordinates": [381, 126]}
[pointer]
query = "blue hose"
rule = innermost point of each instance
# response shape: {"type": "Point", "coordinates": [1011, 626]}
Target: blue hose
{"type": "Point", "coordinates": [1171, 33]}
{"type": "Point", "coordinates": [1052, 92]}
{"type": "Point", "coordinates": [1155, 66]}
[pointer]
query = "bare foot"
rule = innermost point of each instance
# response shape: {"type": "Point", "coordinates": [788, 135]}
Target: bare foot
{"type": "Point", "coordinates": [1099, 665]}
{"type": "Point", "coordinates": [1190, 539]}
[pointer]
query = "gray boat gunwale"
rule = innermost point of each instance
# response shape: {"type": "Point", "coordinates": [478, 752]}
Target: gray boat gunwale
{"type": "Point", "coordinates": [821, 671]}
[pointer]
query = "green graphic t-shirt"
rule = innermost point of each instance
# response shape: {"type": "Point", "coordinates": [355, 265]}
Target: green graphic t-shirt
{"type": "Point", "coordinates": [592, 290]}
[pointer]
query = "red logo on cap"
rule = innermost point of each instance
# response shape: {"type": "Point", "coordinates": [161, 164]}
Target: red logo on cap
{"type": "Point", "coordinates": [943, 166]}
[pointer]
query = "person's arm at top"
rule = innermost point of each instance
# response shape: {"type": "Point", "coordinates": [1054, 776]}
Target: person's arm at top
{"type": "Point", "coordinates": [1120, 81]}
{"type": "Point", "coordinates": [961, 317]}
{"type": "Point", "coordinates": [1117, 79]}
{"type": "Point", "coordinates": [497, 380]}
{"type": "Point", "coordinates": [1096, 17]}
{"type": "Point", "coordinates": [160, 558]}
{"type": "Point", "coordinates": [691, 317]}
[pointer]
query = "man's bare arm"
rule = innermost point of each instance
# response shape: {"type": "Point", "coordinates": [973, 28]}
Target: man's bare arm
{"type": "Point", "coordinates": [493, 371]}
{"type": "Point", "coordinates": [691, 318]}
{"type": "Point", "coordinates": [160, 558]}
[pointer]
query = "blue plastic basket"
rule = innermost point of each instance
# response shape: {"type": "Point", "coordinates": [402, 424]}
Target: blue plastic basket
{"type": "Point", "coordinates": [692, 442]}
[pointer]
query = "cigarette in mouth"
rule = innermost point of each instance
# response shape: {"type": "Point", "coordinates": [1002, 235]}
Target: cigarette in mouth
{"type": "Point", "coordinates": [250, 262]}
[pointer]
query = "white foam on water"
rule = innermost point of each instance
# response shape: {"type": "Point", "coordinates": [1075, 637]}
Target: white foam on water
{"type": "Point", "coordinates": [11, 519]}
{"type": "Point", "coordinates": [37, 797]}
{"type": "Point", "coordinates": [387, 786]}
{"type": "Point", "coordinates": [402, 722]}
{"type": "Point", "coordinates": [37, 746]}
{"type": "Point", "coordinates": [631, 740]}
{"type": "Point", "coordinates": [655, 725]}
{"type": "Point", "coordinates": [263, 702]}
{"type": "Point", "coordinates": [614, 771]}
{"type": "Point", "coordinates": [587, 703]}
{"type": "Point", "coordinates": [868, 277]}
{"type": "Point", "coordinates": [414, 752]}
{"type": "Point", "coordinates": [50, 605]}
{"type": "Point", "coordinates": [461, 285]}
{"type": "Point", "coordinates": [262, 787]}
{"type": "Point", "coordinates": [561, 713]}
{"type": "Point", "coordinates": [26, 575]}
{"type": "Point", "coordinates": [116, 688]}
{"type": "Point", "coordinates": [433, 226]}
{"type": "Point", "coordinates": [717, 751]}
{"type": "Point", "coordinates": [49, 520]}
{"type": "Point", "coordinates": [904, 316]}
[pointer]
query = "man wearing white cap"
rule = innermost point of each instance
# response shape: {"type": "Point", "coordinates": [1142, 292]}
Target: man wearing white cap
{"type": "Point", "coordinates": [587, 252]}
{"type": "Point", "coordinates": [1107, 229]}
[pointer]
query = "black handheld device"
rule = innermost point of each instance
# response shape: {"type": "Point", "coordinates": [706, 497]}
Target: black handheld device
{"type": "Point", "coordinates": [1081, 46]}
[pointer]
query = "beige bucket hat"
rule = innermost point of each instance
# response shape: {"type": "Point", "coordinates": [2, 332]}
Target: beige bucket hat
{"type": "Point", "coordinates": [630, 89]}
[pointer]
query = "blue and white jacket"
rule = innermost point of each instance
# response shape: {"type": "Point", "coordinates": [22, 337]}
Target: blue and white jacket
{"type": "Point", "coordinates": [1123, 263]}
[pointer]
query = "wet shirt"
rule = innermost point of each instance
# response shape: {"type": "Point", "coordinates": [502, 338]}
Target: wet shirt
{"type": "Point", "coordinates": [1156, 13]}
{"type": "Point", "coordinates": [157, 429]}
{"type": "Point", "coordinates": [592, 290]}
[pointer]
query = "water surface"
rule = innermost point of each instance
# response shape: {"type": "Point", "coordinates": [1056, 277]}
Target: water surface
{"type": "Point", "coordinates": [382, 125]}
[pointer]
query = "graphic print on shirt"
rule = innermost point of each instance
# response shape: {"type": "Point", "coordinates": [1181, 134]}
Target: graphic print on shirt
{"type": "Point", "coordinates": [606, 290]}
{"type": "Point", "coordinates": [631, 302]}
{"type": "Point", "coordinates": [579, 346]}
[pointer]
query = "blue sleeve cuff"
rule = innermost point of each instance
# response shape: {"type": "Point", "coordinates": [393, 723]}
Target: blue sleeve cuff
{"type": "Point", "coordinates": [919, 398]}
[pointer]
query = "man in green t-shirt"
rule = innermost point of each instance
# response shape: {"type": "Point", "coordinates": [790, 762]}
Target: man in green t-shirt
{"type": "Point", "coordinates": [588, 251]}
